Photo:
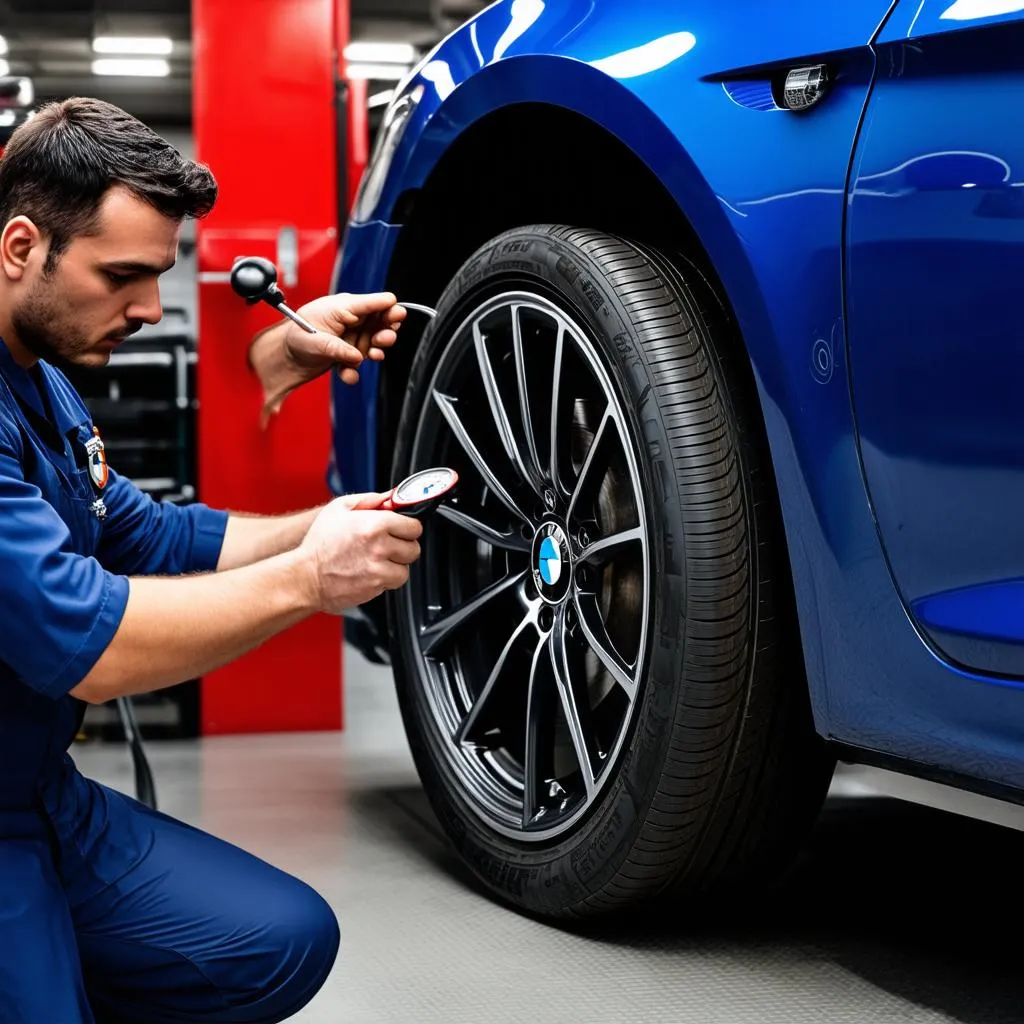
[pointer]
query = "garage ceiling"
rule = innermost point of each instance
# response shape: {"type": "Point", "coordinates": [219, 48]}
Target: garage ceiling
{"type": "Point", "coordinates": [50, 41]}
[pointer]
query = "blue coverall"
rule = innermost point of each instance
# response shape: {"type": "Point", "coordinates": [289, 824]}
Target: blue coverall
{"type": "Point", "coordinates": [110, 911]}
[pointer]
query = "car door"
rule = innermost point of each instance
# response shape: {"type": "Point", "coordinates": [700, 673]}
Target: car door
{"type": "Point", "coordinates": [935, 320]}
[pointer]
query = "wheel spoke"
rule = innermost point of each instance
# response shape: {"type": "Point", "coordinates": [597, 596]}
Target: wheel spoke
{"type": "Point", "coordinates": [447, 406]}
{"type": "Point", "coordinates": [556, 390]}
{"type": "Point", "coordinates": [573, 709]}
{"type": "Point", "coordinates": [534, 725]}
{"type": "Point", "coordinates": [494, 400]}
{"type": "Point", "coordinates": [601, 644]}
{"type": "Point", "coordinates": [599, 550]}
{"type": "Point", "coordinates": [584, 479]}
{"type": "Point", "coordinates": [432, 636]}
{"type": "Point", "coordinates": [524, 398]}
{"type": "Point", "coordinates": [465, 730]}
{"type": "Point", "coordinates": [510, 541]}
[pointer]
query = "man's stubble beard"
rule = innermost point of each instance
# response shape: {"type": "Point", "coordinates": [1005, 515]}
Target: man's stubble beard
{"type": "Point", "coordinates": [40, 326]}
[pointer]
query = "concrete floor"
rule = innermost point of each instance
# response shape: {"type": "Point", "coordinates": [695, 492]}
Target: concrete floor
{"type": "Point", "coordinates": [895, 914]}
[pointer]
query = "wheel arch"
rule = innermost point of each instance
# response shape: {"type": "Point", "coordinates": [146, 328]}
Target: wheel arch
{"type": "Point", "coordinates": [596, 180]}
{"type": "Point", "coordinates": [596, 177]}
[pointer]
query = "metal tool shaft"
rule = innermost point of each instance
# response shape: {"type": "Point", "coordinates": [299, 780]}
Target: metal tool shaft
{"type": "Point", "coordinates": [293, 316]}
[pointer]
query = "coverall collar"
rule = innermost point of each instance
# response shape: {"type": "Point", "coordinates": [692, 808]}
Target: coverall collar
{"type": "Point", "coordinates": [29, 388]}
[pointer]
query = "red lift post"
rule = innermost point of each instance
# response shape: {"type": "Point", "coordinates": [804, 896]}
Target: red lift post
{"type": "Point", "coordinates": [271, 121]}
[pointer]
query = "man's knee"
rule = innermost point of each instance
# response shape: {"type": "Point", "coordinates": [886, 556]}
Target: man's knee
{"type": "Point", "coordinates": [264, 966]}
{"type": "Point", "coordinates": [296, 953]}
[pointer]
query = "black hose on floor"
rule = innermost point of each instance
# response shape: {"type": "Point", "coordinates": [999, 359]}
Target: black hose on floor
{"type": "Point", "coordinates": [145, 790]}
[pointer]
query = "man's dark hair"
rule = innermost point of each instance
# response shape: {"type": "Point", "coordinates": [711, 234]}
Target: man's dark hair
{"type": "Point", "coordinates": [58, 166]}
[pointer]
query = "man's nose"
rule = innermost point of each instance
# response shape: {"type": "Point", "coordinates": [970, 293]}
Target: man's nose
{"type": "Point", "coordinates": [145, 304]}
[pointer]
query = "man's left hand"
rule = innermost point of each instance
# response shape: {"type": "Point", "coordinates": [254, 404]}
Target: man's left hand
{"type": "Point", "coordinates": [350, 328]}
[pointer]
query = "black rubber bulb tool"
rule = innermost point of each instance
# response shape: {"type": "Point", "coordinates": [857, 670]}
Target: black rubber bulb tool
{"type": "Point", "coordinates": [255, 279]}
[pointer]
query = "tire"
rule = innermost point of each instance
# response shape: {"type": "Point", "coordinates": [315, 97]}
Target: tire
{"type": "Point", "coordinates": [704, 769]}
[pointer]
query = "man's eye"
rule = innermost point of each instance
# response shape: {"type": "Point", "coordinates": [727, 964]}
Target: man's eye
{"type": "Point", "coordinates": [118, 279]}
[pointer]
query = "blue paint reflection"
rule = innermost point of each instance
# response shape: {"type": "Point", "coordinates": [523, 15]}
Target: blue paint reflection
{"type": "Point", "coordinates": [524, 14]}
{"type": "Point", "coordinates": [651, 56]}
{"type": "Point", "coordinates": [993, 611]}
{"type": "Point", "coordinates": [939, 171]}
{"type": "Point", "coordinates": [973, 10]}
{"type": "Point", "coordinates": [439, 74]}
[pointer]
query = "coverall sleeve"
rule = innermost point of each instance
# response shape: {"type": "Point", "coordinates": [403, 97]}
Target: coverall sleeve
{"type": "Point", "coordinates": [143, 537]}
{"type": "Point", "coordinates": [61, 609]}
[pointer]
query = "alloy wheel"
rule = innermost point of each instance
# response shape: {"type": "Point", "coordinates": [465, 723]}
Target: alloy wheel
{"type": "Point", "coordinates": [529, 608]}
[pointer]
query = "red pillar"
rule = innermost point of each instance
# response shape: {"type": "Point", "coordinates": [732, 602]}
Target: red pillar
{"type": "Point", "coordinates": [265, 122]}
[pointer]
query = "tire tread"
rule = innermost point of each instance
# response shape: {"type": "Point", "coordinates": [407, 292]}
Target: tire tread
{"type": "Point", "coordinates": [731, 632]}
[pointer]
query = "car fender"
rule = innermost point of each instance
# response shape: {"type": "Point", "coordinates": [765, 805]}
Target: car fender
{"type": "Point", "coordinates": [586, 92]}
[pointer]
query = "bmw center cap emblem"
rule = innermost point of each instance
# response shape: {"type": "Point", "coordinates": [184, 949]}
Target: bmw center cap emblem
{"type": "Point", "coordinates": [550, 562]}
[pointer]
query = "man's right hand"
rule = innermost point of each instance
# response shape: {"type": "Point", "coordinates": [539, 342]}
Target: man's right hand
{"type": "Point", "coordinates": [354, 554]}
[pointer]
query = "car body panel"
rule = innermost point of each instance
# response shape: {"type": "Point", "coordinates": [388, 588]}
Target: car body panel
{"type": "Point", "coordinates": [764, 190]}
{"type": "Point", "coordinates": [935, 270]}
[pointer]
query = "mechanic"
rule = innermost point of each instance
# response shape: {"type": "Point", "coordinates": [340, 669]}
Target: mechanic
{"type": "Point", "coordinates": [107, 907]}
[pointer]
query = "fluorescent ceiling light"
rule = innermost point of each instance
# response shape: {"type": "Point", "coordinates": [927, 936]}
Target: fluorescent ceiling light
{"type": "Point", "coordinates": [5, 68]}
{"type": "Point", "coordinates": [124, 66]}
{"type": "Point", "coordinates": [378, 72]}
{"type": "Point", "coordinates": [155, 46]}
{"type": "Point", "coordinates": [382, 53]}
{"type": "Point", "coordinates": [3, 45]}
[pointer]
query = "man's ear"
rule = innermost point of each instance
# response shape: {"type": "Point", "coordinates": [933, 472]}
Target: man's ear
{"type": "Point", "coordinates": [21, 243]}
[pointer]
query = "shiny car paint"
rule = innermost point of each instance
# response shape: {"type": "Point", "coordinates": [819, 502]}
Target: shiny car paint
{"type": "Point", "coordinates": [842, 237]}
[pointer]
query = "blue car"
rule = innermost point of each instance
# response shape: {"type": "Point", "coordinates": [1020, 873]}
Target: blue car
{"type": "Point", "coordinates": [728, 354]}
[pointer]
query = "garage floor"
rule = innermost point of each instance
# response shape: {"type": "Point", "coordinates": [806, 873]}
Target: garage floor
{"type": "Point", "coordinates": [894, 914]}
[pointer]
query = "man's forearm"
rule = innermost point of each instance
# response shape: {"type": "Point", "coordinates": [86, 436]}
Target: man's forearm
{"type": "Point", "coordinates": [175, 629]}
{"type": "Point", "coordinates": [268, 357]}
{"type": "Point", "coordinates": [250, 539]}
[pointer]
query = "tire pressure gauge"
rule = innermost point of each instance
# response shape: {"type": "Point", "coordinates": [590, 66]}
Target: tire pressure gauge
{"type": "Point", "coordinates": [421, 493]}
